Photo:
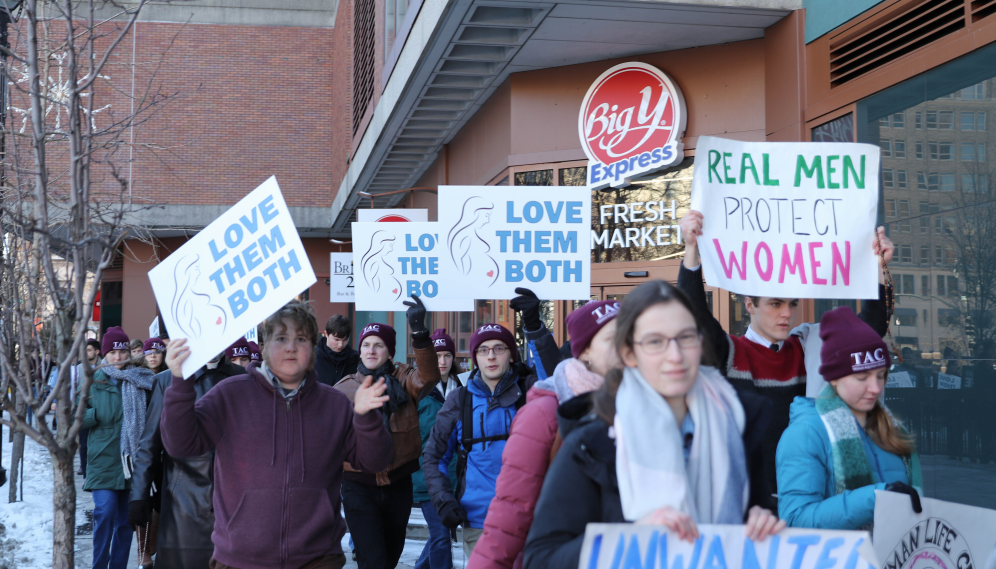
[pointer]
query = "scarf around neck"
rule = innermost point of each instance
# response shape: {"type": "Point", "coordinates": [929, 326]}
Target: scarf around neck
{"type": "Point", "coordinates": [851, 469]}
{"type": "Point", "coordinates": [133, 382]}
{"type": "Point", "coordinates": [570, 379]}
{"type": "Point", "coordinates": [650, 462]}
{"type": "Point", "coordinates": [395, 391]}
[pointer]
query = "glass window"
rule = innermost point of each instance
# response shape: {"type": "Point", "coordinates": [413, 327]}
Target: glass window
{"type": "Point", "coordinates": [952, 284]}
{"type": "Point", "coordinates": [967, 152]}
{"type": "Point", "coordinates": [980, 152]}
{"type": "Point", "coordinates": [968, 183]}
{"type": "Point", "coordinates": [905, 253]}
{"type": "Point", "coordinates": [980, 120]}
{"type": "Point", "coordinates": [908, 288]}
{"type": "Point", "coordinates": [947, 180]}
{"type": "Point", "coordinates": [976, 92]}
{"type": "Point", "coordinates": [931, 119]}
{"type": "Point", "coordinates": [945, 120]}
{"type": "Point", "coordinates": [921, 181]}
{"type": "Point", "coordinates": [574, 176]}
{"type": "Point", "coordinates": [967, 120]}
{"type": "Point", "coordinates": [924, 255]}
{"type": "Point", "coordinates": [899, 148]}
{"type": "Point", "coordinates": [940, 150]}
{"type": "Point", "coordinates": [918, 120]}
{"type": "Point", "coordinates": [534, 178]}
{"type": "Point", "coordinates": [888, 178]}
{"type": "Point", "coordinates": [901, 179]}
{"type": "Point", "coordinates": [925, 286]}
{"type": "Point", "coordinates": [394, 17]}
{"type": "Point", "coordinates": [904, 208]}
{"type": "Point", "coordinates": [884, 122]}
{"type": "Point", "coordinates": [890, 208]}
{"type": "Point", "coordinates": [898, 120]}
{"type": "Point", "coordinates": [886, 147]}
{"type": "Point", "coordinates": [919, 149]}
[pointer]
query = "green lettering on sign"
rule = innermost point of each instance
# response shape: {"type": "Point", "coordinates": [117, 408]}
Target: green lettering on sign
{"type": "Point", "coordinates": [816, 168]}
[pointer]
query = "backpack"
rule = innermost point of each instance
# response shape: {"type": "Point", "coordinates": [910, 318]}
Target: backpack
{"type": "Point", "coordinates": [467, 440]}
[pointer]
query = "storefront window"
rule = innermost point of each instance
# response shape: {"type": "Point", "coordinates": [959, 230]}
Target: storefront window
{"type": "Point", "coordinates": [640, 222]}
{"type": "Point", "coordinates": [942, 218]}
{"type": "Point", "coordinates": [534, 178]}
{"type": "Point", "coordinates": [394, 16]}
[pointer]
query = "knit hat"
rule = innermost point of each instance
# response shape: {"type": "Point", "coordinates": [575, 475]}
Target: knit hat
{"type": "Point", "coordinates": [239, 349]}
{"type": "Point", "coordinates": [587, 320]}
{"type": "Point", "coordinates": [493, 332]}
{"type": "Point", "coordinates": [443, 342]}
{"type": "Point", "coordinates": [849, 345]}
{"type": "Point", "coordinates": [382, 331]}
{"type": "Point", "coordinates": [114, 339]}
{"type": "Point", "coordinates": [254, 353]}
{"type": "Point", "coordinates": [154, 345]}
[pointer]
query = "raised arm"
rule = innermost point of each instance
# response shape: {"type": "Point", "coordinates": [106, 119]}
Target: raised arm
{"type": "Point", "coordinates": [189, 427]}
{"type": "Point", "coordinates": [419, 381]}
{"type": "Point", "coordinates": [874, 311]}
{"type": "Point", "coordinates": [690, 283]}
{"type": "Point", "coordinates": [539, 340]}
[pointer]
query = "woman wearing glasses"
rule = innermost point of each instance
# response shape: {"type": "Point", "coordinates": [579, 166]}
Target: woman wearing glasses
{"type": "Point", "coordinates": [671, 442]}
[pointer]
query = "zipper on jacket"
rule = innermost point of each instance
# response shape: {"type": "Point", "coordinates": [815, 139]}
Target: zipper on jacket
{"type": "Point", "coordinates": [484, 445]}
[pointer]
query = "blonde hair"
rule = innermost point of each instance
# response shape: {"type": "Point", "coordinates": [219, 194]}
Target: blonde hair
{"type": "Point", "coordinates": [884, 431]}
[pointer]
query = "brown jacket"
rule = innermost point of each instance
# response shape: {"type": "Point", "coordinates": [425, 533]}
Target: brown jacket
{"type": "Point", "coordinates": [417, 382]}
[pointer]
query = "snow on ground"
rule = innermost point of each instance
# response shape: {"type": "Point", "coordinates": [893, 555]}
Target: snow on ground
{"type": "Point", "coordinates": [27, 540]}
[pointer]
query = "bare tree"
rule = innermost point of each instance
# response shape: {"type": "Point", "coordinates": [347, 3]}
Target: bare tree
{"type": "Point", "coordinates": [973, 234]}
{"type": "Point", "coordinates": [64, 202]}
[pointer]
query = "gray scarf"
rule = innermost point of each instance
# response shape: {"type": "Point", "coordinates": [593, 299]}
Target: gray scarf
{"type": "Point", "coordinates": [133, 381]}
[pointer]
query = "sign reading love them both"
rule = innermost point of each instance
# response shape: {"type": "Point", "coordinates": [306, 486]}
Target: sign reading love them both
{"type": "Point", "coordinates": [497, 239]}
{"type": "Point", "coordinates": [793, 220]}
{"type": "Point", "coordinates": [625, 546]}
{"type": "Point", "coordinates": [394, 261]}
{"type": "Point", "coordinates": [232, 275]}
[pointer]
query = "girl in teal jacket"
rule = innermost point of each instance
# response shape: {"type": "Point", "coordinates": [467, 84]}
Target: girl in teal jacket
{"type": "Point", "coordinates": [844, 445]}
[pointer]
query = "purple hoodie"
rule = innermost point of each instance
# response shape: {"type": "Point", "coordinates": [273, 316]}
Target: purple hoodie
{"type": "Point", "coordinates": [277, 465]}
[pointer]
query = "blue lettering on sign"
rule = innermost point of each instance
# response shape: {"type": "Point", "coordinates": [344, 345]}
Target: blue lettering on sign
{"type": "Point", "coordinates": [513, 271]}
{"type": "Point", "coordinates": [801, 542]}
{"type": "Point", "coordinates": [616, 172]}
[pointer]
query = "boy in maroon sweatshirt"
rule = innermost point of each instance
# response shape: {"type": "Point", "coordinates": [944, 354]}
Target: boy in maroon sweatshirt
{"type": "Point", "coordinates": [280, 439]}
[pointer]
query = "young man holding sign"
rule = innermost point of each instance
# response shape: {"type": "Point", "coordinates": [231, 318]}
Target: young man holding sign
{"type": "Point", "coordinates": [775, 357]}
{"type": "Point", "coordinates": [277, 491]}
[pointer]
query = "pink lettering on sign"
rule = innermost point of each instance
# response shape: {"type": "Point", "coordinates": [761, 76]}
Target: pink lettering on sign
{"type": "Point", "coordinates": [765, 274]}
{"type": "Point", "coordinates": [843, 264]}
{"type": "Point", "coordinates": [792, 264]}
{"type": "Point", "coordinates": [814, 264]}
{"type": "Point", "coordinates": [740, 266]}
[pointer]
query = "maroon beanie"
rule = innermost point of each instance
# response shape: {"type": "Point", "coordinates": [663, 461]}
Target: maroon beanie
{"type": "Point", "coordinates": [587, 320]}
{"type": "Point", "coordinates": [254, 352]}
{"type": "Point", "coordinates": [382, 331]}
{"type": "Point", "coordinates": [849, 345]}
{"type": "Point", "coordinates": [154, 345]}
{"type": "Point", "coordinates": [239, 349]}
{"type": "Point", "coordinates": [114, 339]}
{"type": "Point", "coordinates": [443, 342]}
{"type": "Point", "coordinates": [493, 332]}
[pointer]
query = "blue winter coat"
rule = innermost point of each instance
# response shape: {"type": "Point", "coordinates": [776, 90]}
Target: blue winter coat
{"type": "Point", "coordinates": [804, 462]}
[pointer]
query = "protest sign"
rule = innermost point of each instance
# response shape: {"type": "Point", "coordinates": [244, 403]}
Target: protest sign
{"type": "Point", "coordinates": [250, 336]}
{"type": "Point", "coordinates": [944, 536]}
{"type": "Point", "coordinates": [622, 546]}
{"type": "Point", "coordinates": [232, 275]}
{"type": "Point", "coordinates": [341, 285]}
{"type": "Point", "coordinates": [154, 328]}
{"type": "Point", "coordinates": [948, 381]}
{"type": "Point", "coordinates": [391, 215]}
{"type": "Point", "coordinates": [791, 220]}
{"type": "Point", "coordinates": [899, 379]}
{"type": "Point", "coordinates": [394, 261]}
{"type": "Point", "coordinates": [534, 237]}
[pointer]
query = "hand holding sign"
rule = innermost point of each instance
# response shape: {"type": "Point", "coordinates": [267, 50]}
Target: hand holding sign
{"type": "Point", "coordinates": [416, 314]}
{"type": "Point", "coordinates": [675, 520]}
{"type": "Point", "coordinates": [761, 523]}
{"type": "Point", "coordinates": [177, 352]}
{"type": "Point", "coordinates": [370, 395]}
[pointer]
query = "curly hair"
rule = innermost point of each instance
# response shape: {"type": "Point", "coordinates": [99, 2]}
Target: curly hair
{"type": "Point", "coordinates": [297, 311]}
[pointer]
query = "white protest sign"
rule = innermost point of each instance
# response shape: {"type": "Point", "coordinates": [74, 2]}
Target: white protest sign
{"type": "Point", "coordinates": [535, 237]}
{"type": "Point", "coordinates": [341, 286]}
{"type": "Point", "coordinates": [899, 379]}
{"type": "Point", "coordinates": [394, 261]}
{"type": "Point", "coordinates": [622, 546]}
{"type": "Point", "coordinates": [250, 336]}
{"type": "Point", "coordinates": [792, 220]}
{"type": "Point", "coordinates": [391, 215]}
{"type": "Point", "coordinates": [944, 536]}
{"type": "Point", "coordinates": [948, 381]}
{"type": "Point", "coordinates": [232, 275]}
{"type": "Point", "coordinates": [154, 328]}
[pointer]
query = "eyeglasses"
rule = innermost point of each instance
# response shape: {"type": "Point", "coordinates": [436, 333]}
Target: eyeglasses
{"type": "Point", "coordinates": [657, 344]}
{"type": "Point", "coordinates": [498, 350]}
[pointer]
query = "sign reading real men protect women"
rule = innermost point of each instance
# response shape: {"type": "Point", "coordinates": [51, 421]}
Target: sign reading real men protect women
{"type": "Point", "coordinates": [793, 220]}
{"type": "Point", "coordinates": [232, 275]}
{"type": "Point", "coordinates": [497, 239]}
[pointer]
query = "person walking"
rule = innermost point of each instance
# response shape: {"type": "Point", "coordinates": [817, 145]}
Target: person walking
{"type": "Point", "coordinates": [93, 359]}
{"type": "Point", "coordinates": [137, 348]}
{"type": "Point", "coordinates": [185, 485]}
{"type": "Point", "coordinates": [437, 553]}
{"type": "Point", "coordinates": [775, 358]}
{"type": "Point", "coordinates": [334, 357]}
{"type": "Point", "coordinates": [672, 443]}
{"type": "Point", "coordinates": [276, 497]}
{"type": "Point", "coordinates": [378, 502]}
{"type": "Point", "coordinates": [115, 415]}
{"type": "Point", "coordinates": [534, 439]}
{"type": "Point", "coordinates": [845, 444]}
{"type": "Point", "coordinates": [154, 349]}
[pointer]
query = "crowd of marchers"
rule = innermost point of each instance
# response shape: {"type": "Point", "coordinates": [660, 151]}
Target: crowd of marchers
{"type": "Point", "coordinates": [650, 414]}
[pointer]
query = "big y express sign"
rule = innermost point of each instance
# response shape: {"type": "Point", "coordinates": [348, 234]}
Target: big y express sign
{"type": "Point", "coordinates": [631, 122]}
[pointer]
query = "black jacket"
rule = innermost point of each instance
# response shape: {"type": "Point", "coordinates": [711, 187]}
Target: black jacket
{"type": "Point", "coordinates": [187, 516]}
{"type": "Point", "coordinates": [331, 366]}
{"type": "Point", "coordinates": [581, 487]}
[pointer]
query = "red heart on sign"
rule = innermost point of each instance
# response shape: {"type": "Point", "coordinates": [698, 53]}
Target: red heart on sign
{"type": "Point", "coordinates": [395, 291]}
{"type": "Point", "coordinates": [491, 273]}
{"type": "Point", "coordinates": [218, 321]}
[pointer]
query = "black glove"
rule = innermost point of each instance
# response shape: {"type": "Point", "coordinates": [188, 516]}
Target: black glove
{"type": "Point", "coordinates": [139, 513]}
{"type": "Point", "coordinates": [903, 488]}
{"type": "Point", "coordinates": [529, 306]}
{"type": "Point", "coordinates": [416, 315]}
{"type": "Point", "coordinates": [452, 514]}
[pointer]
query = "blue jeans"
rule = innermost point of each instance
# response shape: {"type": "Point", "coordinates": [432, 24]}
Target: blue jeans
{"type": "Point", "coordinates": [437, 553]}
{"type": "Point", "coordinates": [111, 532]}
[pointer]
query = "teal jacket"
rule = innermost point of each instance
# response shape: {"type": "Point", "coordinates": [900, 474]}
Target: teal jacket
{"type": "Point", "coordinates": [428, 408]}
{"type": "Point", "coordinates": [804, 461]}
{"type": "Point", "coordinates": [104, 414]}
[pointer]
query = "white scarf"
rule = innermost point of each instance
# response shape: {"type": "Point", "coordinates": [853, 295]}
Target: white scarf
{"type": "Point", "coordinates": [650, 461]}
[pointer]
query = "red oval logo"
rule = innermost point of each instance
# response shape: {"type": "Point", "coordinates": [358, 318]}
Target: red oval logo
{"type": "Point", "coordinates": [392, 218]}
{"type": "Point", "coordinates": [630, 109]}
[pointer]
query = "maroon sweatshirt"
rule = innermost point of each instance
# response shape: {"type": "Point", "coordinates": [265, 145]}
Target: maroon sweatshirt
{"type": "Point", "coordinates": [277, 465]}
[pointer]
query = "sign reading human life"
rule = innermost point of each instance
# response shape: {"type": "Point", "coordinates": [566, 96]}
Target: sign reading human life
{"type": "Point", "coordinates": [523, 236]}
{"type": "Point", "coordinates": [792, 220]}
{"type": "Point", "coordinates": [232, 275]}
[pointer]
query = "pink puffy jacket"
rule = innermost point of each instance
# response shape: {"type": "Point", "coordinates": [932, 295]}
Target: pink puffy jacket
{"type": "Point", "coordinates": [531, 443]}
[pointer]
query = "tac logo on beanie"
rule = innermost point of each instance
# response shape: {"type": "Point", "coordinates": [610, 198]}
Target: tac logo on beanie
{"type": "Point", "coordinates": [254, 353]}
{"type": "Point", "coordinates": [587, 320]}
{"type": "Point", "coordinates": [868, 359]}
{"type": "Point", "coordinates": [442, 341]}
{"type": "Point", "coordinates": [382, 331]}
{"type": "Point", "coordinates": [239, 349]}
{"type": "Point", "coordinates": [114, 339]}
{"type": "Point", "coordinates": [493, 332]}
{"type": "Point", "coordinates": [154, 345]}
{"type": "Point", "coordinates": [849, 345]}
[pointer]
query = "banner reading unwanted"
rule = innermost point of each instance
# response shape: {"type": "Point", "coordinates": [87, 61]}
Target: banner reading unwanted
{"type": "Point", "coordinates": [499, 238]}
{"type": "Point", "coordinates": [792, 220]}
{"type": "Point", "coordinates": [622, 546]}
{"type": "Point", "coordinates": [394, 261]}
{"type": "Point", "coordinates": [232, 275]}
